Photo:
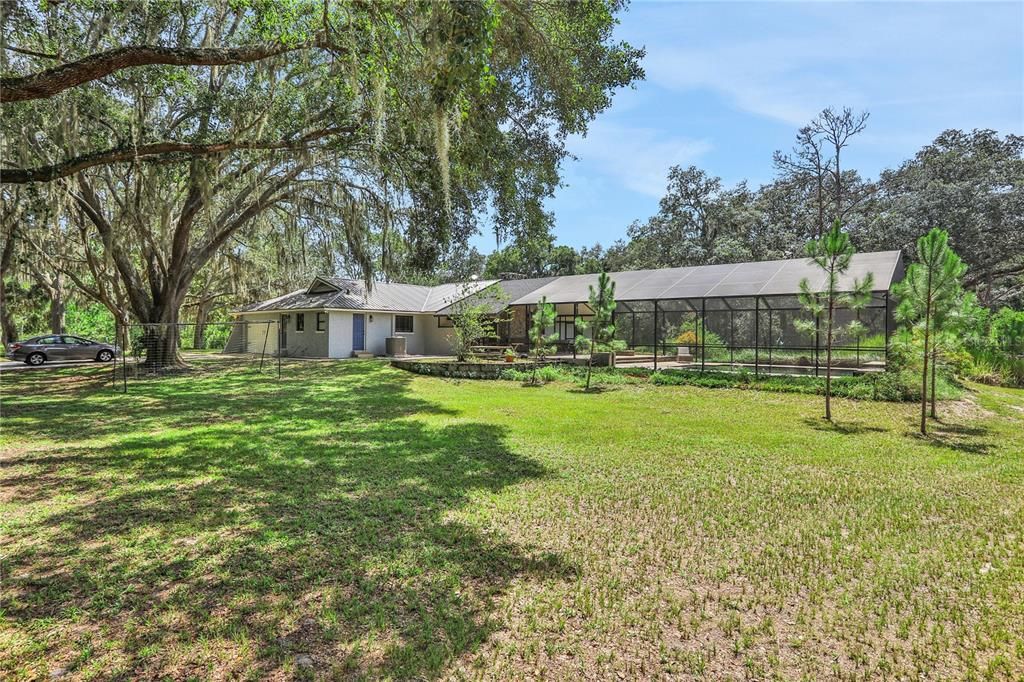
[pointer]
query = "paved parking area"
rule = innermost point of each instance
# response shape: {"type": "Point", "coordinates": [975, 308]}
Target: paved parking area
{"type": "Point", "coordinates": [13, 366]}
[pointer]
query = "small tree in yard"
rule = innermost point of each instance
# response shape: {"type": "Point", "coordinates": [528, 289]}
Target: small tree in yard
{"type": "Point", "coordinates": [473, 318]}
{"type": "Point", "coordinates": [598, 334]}
{"type": "Point", "coordinates": [833, 254]}
{"type": "Point", "coordinates": [541, 343]}
{"type": "Point", "coordinates": [929, 293]}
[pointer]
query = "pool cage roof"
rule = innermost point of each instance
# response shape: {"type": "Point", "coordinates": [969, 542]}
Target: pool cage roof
{"type": "Point", "coordinates": [765, 278]}
{"type": "Point", "coordinates": [722, 313]}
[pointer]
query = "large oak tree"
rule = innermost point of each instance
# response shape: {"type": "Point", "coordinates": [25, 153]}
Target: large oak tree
{"type": "Point", "coordinates": [175, 128]}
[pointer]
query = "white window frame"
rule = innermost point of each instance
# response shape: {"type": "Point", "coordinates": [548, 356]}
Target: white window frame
{"type": "Point", "coordinates": [297, 316]}
{"type": "Point", "coordinates": [317, 323]}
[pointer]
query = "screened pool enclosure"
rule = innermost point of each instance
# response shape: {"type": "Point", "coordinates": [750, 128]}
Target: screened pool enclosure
{"type": "Point", "coordinates": [735, 316]}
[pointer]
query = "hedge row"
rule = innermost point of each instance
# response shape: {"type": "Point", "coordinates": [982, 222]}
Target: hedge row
{"type": "Point", "coordinates": [889, 386]}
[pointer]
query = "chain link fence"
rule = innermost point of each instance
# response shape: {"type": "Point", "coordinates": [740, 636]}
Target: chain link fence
{"type": "Point", "coordinates": [188, 349]}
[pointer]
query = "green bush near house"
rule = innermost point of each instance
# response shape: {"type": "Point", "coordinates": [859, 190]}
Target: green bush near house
{"type": "Point", "coordinates": [895, 385]}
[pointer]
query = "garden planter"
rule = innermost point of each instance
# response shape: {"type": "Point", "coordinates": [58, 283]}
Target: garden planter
{"type": "Point", "coordinates": [604, 359]}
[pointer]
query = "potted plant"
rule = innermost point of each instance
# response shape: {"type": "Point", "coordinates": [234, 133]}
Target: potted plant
{"type": "Point", "coordinates": [510, 355]}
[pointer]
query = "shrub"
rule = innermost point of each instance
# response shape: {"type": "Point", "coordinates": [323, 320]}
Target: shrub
{"type": "Point", "coordinates": [92, 321]}
{"type": "Point", "coordinates": [893, 386]}
{"type": "Point", "coordinates": [995, 367]}
{"type": "Point", "coordinates": [545, 374]}
{"type": "Point", "coordinates": [1007, 330]}
{"type": "Point", "coordinates": [687, 338]}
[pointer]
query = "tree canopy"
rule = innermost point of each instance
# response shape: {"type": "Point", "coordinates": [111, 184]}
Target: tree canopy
{"type": "Point", "coordinates": [164, 135]}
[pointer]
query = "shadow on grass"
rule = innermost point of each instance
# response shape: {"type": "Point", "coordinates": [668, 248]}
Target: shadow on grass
{"type": "Point", "coordinates": [841, 427]}
{"type": "Point", "coordinates": [969, 439]}
{"type": "Point", "coordinates": [315, 516]}
{"type": "Point", "coordinates": [599, 388]}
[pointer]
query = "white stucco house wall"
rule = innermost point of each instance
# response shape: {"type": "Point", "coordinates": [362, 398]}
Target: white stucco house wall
{"type": "Point", "coordinates": [339, 318]}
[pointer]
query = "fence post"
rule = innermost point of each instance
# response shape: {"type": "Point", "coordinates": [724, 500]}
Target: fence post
{"type": "Point", "coordinates": [266, 333]}
{"type": "Point", "coordinates": [124, 361]}
{"type": "Point", "coordinates": [575, 312]}
{"type": "Point", "coordinates": [655, 335]}
{"type": "Point", "coordinates": [703, 330]}
{"type": "Point", "coordinates": [757, 335]}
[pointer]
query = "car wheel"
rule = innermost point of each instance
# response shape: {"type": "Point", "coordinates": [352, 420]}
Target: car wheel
{"type": "Point", "coordinates": [104, 356]}
{"type": "Point", "coordinates": [35, 359]}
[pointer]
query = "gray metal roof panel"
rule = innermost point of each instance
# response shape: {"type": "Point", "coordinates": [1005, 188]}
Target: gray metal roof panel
{"type": "Point", "coordinates": [763, 278]}
{"type": "Point", "coordinates": [511, 290]}
{"type": "Point", "coordinates": [351, 294]}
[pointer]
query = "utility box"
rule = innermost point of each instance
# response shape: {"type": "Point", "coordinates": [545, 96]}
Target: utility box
{"type": "Point", "coordinates": [395, 346]}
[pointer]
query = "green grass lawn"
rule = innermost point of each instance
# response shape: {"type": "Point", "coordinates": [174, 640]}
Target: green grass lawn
{"type": "Point", "coordinates": [353, 520]}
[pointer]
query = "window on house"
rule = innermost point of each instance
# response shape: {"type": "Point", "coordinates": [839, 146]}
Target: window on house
{"type": "Point", "coordinates": [300, 322]}
{"type": "Point", "coordinates": [403, 323]}
{"type": "Point", "coordinates": [321, 322]}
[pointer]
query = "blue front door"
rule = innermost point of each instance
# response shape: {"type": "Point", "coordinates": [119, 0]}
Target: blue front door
{"type": "Point", "coordinates": [358, 331]}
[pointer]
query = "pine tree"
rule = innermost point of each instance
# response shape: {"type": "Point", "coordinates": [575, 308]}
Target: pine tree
{"type": "Point", "coordinates": [541, 343]}
{"type": "Point", "coordinates": [930, 290]}
{"type": "Point", "coordinates": [597, 335]}
{"type": "Point", "coordinates": [833, 254]}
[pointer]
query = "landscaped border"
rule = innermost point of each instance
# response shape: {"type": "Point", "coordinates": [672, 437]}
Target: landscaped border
{"type": "Point", "coordinates": [453, 369]}
{"type": "Point", "coordinates": [892, 386]}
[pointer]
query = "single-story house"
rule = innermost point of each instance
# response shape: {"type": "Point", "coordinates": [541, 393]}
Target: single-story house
{"type": "Point", "coordinates": [338, 318]}
{"type": "Point", "coordinates": [743, 305]}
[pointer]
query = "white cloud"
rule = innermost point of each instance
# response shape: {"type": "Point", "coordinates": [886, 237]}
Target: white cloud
{"type": "Point", "coordinates": [636, 157]}
{"type": "Point", "coordinates": [768, 78]}
{"type": "Point", "coordinates": [788, 61]}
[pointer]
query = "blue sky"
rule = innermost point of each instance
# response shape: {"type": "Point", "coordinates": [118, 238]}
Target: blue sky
{"type": "Point", "coordinates": [730, 82]}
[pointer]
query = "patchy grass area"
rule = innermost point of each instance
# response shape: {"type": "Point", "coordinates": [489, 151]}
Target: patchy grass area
{"type": "Point", "coordinates": [358, 521]}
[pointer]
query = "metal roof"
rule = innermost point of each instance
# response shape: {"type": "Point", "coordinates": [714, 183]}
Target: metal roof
{"type": "Point", "coordinates": [510, 290]}
{"type": "Point", "coordinates": [350, 294]}
{"type": "Point", "coordinates": [765, 278]}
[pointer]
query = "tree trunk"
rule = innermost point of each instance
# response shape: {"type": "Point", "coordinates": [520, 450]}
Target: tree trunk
{"type": "Point", "coordinates": [935, 360]}
{"type": "Point", "coordinates": [203, 309]}
{"type": "Point", "coordinates": [590, 357]}
{"type": "Point", "coordinates": [821, 203]}
{"type": "Point", "coordinates": [839, 186]}
{"type": "Point", "coordinates": [58, 306]}
{"type": "Point", "coordinates": [924, 373]}
{"type": "Point", "coordinates": [161, 336]}
{"type": "Point", "coordinates": [160, 342]}
{"type": "Point", "coordinates": [8, 329]}
{"type": "Point", "coordinates": [828, 363]}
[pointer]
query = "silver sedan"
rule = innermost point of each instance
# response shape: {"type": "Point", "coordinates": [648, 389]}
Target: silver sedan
{"type": "Point", "coordinates": [57, 347]}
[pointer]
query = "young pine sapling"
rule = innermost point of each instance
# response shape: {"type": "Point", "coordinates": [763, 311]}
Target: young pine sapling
{"type": "Point", "coordinates": [833, 254]}
{"type": "Point", "coordinates": [542, 343]}
{"type": "Point", "coordinates": [929, 294]}
{"type": "Point", "coordinates": [597, 335]}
